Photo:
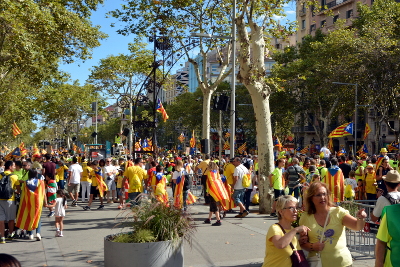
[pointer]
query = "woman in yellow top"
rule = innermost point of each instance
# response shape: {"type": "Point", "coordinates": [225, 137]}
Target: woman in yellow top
{"type": "Point", "coordinates": [60, 171]}
{"type": "Point", "coordinates": [370, 182]}
{"type": "Point", "coordinates": [86, 181]}
{"type": "Point", "coordinates": [278, 249]}
{"type": "Point", "coordinates": [333, 250]}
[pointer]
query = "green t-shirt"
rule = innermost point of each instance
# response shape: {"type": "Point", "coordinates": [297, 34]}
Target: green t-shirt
{"type": "Point", "coordinates": [277, 179]}
{"type": "Point", "coordinates": [20, 174]}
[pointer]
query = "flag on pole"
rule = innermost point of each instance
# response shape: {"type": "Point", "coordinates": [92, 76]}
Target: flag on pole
{"type": "Point", "coordinates": [36, 153]}
{"type": "Point", "coordinates": [278, 144]}
{"type": "Point", "coordinates": [192, 140]}
{"type": "Point", "coordinates": [227, 135]}
{"type": "Point", "coordinates": [22, 149]}
{"type": "Point", "coordinates": [227, 145]}
{"type": "Point", "coordinates": [366, 131]}
{"type": "Point", "coordinates": [304, 150]}
{"type": "Point", "coordinates": [330, 144]}
{"type": "Point", "coordinates": [242, 148]}
{"type": "Point", "coordinates": [342, 152]}
{"type": "Point", "coordinates": [393, 146]}
{"type": "Point", "coordinates": [15, 129]}
{"type": "Point", "coordinates": [161, 109]}
{"type": "Point", "coordinates": [137, 145]}
{"type": "Point", "coordinates": [181, 138]}
{"type": "Point", "coordinates": [145, 145]}
{"type": "Point", "coordinates": [342, 130]}
{"type": "Point", "coordinates": [363, 151]}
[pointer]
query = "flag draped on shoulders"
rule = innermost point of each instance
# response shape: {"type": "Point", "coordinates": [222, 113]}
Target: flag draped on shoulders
{"type": "Point", "coordinates": [101, 184]}
{"type": "Point", "coordinates": [342, 130]}
{"type": "Point", "coordinates": [378, 163]}
{"type": "Point", "coordinates": [31, 204]}
{"type": "Point", "coordinates": [335, 181]}
{"type": "Point", "coordinates": [178, 196]}
{"type": "Point", "coordinates": [160, 192]}
{"type": "Point", "coordinates": [215, 186]}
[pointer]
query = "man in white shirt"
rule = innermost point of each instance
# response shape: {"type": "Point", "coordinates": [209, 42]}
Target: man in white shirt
{"type": "Point", "coordinates": [392, 182]}
{"type": "Point", "coordinates": [109, 172]}
{"type": "Point", "coordinates": [327, 153]}
{"type": "Point", "coordinates": [74, 180]}
{"type": "Point", "coordinates": [238, 189]}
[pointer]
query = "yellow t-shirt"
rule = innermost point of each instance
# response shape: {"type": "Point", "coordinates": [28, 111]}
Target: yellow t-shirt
{"type": "Point", "coordinates": [277, 179]}
{"type": "Point", "coordinates": [14, 182]}
{"type": "Point", "coordinates": [130, 173]}
{"type": "Point", "coordinates": [60, 173]}
{"type": "Point", "coordinates": [360, 173]}
{"type": "Point", "coordinates": [335, 252]}
{"type": "Point", "coordinates": [383, 235]}
{"type": "Point", "coordinates": [119, 179]}
{"type": "Point", "coordinates": [86, 174]}
{"type": "Point", "coordinates": [93, 177]}
{"type": "Point", "coordinates": [275, 256]}
{"type": "Point", "coordinates": [228, 172]}
{"type": "Point", "coordinates": [369, 183]}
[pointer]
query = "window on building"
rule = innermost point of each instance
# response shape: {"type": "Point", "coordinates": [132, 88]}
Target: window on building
{"type": "Point", "coordinates": [303, 8]}
{"type": "Point", "coordinates": [335, 18]}
{"type": "Point", "coordinates": [278, 46]}
{"type": "Point", "coordinates": [323, 22]}
{"type": "Point", "coordinates": [303, 24]}
{"type": "Point", "coordinates": [349, 13]}
{"type": "Point", "coordinates": [312, 28]}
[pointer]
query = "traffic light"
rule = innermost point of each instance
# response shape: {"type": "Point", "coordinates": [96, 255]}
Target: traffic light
{"type": "Point", "coordinates": [94, 134]}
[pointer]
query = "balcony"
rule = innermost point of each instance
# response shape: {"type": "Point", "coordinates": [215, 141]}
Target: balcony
{"type": "Point", "coordinates": [302, 13]}
{"type": "Point", "coordinates": [335, 3]}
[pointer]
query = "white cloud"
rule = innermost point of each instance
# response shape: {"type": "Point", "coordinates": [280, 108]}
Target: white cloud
{"type": "Point", "coordinates": [289, 12]}
{"type": "Point", "coordinates": [275, 17]}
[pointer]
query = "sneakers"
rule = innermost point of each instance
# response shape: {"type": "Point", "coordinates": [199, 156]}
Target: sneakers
{"type": "Point", "coordinates": [240, 215]}
{"type": "Point", "coordinates": [58, 233]}
{"type": "Point", "coordinates": [245, 213]}
{"type": "Point", "coordinates": [74, 203]}
{"type": "Point", "coordinates": [217, 223]}
{"type": "Point", "coordinates": [273, 214]}
{"type": "Point", "coordinates": [38, 237]}
{"type": "Point", "coordinates": [11, 237]}
{"type": "Point", "coordinates": [2, 240]}
{"type": "Point", "coordinates": [51, 214]}
{"type": "Point", "coordinates": [100, 207]}
{"type": "Point", "coordinates": [86, 208]}
{"type": "Point", "coordinates": [30, 237]}
{"type": "Point", "coordinates": [207, 221]}
{"type": "Point", "coordinates": [120, 207]}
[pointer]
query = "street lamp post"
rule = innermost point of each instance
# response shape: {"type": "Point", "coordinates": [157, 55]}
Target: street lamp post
{"type": "Point", "coordinates": [355, 113]}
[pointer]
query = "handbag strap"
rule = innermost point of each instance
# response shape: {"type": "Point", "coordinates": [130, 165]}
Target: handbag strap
{"type": "Point", "coordinates": [283, 230]}
{"type": "Point", "coordinates": [326, 222]}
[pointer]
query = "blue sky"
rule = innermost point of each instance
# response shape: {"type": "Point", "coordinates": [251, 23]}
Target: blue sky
{"type": "Point", "coordinates": [116, 43]}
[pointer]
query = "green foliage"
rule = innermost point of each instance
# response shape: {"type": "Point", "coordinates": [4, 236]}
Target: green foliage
{"type": "Point", "coordinates": [139, 236]}
{"type": "Point", "coordinates": [154, 221]}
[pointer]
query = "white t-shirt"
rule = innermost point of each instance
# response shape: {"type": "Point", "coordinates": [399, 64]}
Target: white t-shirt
{"type": "Point", "coordinates": [59, 210]}
{"type": "Point", "coordinates": [109, 168]}
{"type": "Point", "coordinates": [240, 170]}
{"type": "Point", "coordinates": [383, 202]}
{"type": "Point", "coordinates": [176, 174]}
{"type": "Point", "coordinates": [351, 182]}
{"type": "Point", "coordinates": [326, 151]}
{"type": "Point", "coordinates": [76, 171]}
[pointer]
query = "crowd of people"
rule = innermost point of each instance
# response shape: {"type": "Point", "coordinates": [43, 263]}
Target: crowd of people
{"type": "Point", "coordinates": [316, 185]}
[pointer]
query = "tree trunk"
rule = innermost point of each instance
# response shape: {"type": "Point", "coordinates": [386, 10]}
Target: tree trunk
{"type": "Point", "coordinates": [252, 75]}
{"type": "Point", "coordinates": [205, 134]}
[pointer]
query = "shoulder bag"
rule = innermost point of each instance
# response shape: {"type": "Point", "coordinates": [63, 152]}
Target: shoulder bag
{"type": "Point", "coordinates": [298, 258]}
{"type": "Point", "coordinates": [315, 261]}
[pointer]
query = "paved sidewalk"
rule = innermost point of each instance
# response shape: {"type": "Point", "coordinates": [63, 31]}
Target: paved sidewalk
{"type": "Point", "coordinates": [237, 243]}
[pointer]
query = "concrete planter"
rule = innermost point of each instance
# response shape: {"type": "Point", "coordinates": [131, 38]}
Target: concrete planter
{"type": "Point", "coordinates": [155, 254]}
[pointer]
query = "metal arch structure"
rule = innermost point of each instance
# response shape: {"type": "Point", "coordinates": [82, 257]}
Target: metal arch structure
{"type": "Point", "coordinates": [166, 54]}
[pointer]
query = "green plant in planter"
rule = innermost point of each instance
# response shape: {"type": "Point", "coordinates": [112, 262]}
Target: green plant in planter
{"type": "Point", "coordinates": [152, 222]}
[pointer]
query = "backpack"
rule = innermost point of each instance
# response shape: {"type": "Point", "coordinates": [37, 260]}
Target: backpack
{"type": "Point", "coordinates": [246, 180]}
{"type": "Point", "coordinates": [6, 191]}
{"type": "Point", "coordinates": [391, 199]}
{"type": "Point", "coordinates": [186, 183]}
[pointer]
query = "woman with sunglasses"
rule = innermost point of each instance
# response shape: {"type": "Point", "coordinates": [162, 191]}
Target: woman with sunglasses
{"type": "Point", "coordinates": [380, 173]}
{"type": "Point", "coordinates": [280, 235]}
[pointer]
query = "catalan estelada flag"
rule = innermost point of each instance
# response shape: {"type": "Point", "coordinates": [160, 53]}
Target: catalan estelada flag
{"type": "Point", "coordinates": [100, 182]}
{"type": "Point", "coordinates": [242, 148]}
{"type": "Point", "coordinates": [23, 149]}
{"type": "Point", "coordinates": [181, 137]}
{"type": "Point", "coordinates": [227, 135]}
{"type": "Point", "coordinates": [393, 146]}
{"type": "Point", "coordinates": [228, 204]}
{"type": "Point", "coordinates": [161, 109]}
{"type": "Point", "coordinates": [304, 150]}
{"type": "Point", "coordinates": [227, 146]}
{"type": "Point", "coordinates": [191, 198]}
{"type": "Point", "coordinates": [330, 145]}
{"type": "Point", "coordinates": [31, 204]}
{"type": "Point", "coordinates": [178, 196]}
{"type": "Point", "coordinates": [278, 144]}
{"type": "Point", "coordinates": [366, 131]}
{"type": "Point", "coordinates": [335, 181]}
{"type": "Point", "coordinates": [36, 152]}
{"type": "Point", "coordinates": [215, 186]}
{"type": "Point", "coordinates": [137, 145]}
{"type": "Point", "coordinates": [15, 129]}
{"type": "Point", "coordinates": [193, 140]}
{"type": "Point", "coordinates": [342, 130]}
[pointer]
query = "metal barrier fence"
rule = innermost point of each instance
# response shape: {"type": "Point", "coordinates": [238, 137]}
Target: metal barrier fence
{"type": "Point", "coordinates": [196, 187]}
{"type": "Point", "coordinates": [362, 242]}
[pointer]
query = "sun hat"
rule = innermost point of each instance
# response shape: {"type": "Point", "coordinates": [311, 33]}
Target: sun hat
{"type": "Point", "coordinates": [392, 176]}
{"type": "Point", "coordinates": [383, 150]}
{"type": "Point", "coordinates": [370, 166]}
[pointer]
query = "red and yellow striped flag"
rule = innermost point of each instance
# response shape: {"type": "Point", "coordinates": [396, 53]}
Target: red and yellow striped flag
{"type": "Point", "coordinates": [215, 186]}
{"type": "Point", "coordinates": [178, 196]}
{"type": "Point", "coordinates": [330, 145]}
{"type": "Point", "coordinates": [193, 140]}
{"type": "Point", "coordinates": [366, 131]}
{"type": "Point", "coordinates": [242, 148]}
{"type": "Point", "coordinates": [15, 129]}
{"type": "Point", "coordinates": [31, 204]}
{"type": "Point", "coordinates": [228, 204]}
{"type": "Point", "coordinates": [227, 146]}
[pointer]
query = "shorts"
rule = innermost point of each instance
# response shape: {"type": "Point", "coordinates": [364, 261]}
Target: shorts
{"type": "Point", "coordinates": [238, 195]}
{"type": "Point", "coordinates": [213, 205]}
{"type": "Point", "coordinates": [73, 187]}
{"type": "Point", "coordinates": [278, 193]}
{"type": "Point", "coordinates": [61, 184]}
{"type": "Point", "coordinates": [119, 192]}
{"type": "Point", "coordinates": [111, 185]}
{"type": "Point", "coordinates": [93, 190]}
{"type": "Point", "coordinates": [8, 210]}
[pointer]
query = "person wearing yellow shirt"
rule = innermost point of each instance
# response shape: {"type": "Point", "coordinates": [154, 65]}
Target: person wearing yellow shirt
{"type": "Point", "coordinates": [97, 184]}
{"type": "Point", "coordinates": [8, 208]}
{"type": "Point", "coordinates": [86, 181]}
{"type": "Point", "coordinates": [203, 166]}
{"type": "Point", "coordinates": [135, 176]}
{"type": "Point", "coordinates": [60, 171]}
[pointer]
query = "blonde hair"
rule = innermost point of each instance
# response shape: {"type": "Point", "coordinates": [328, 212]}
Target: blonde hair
{"type": "Point", "coordinates": [281, 203]}
{"type": "Point", "coordinates": [179, 165]}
